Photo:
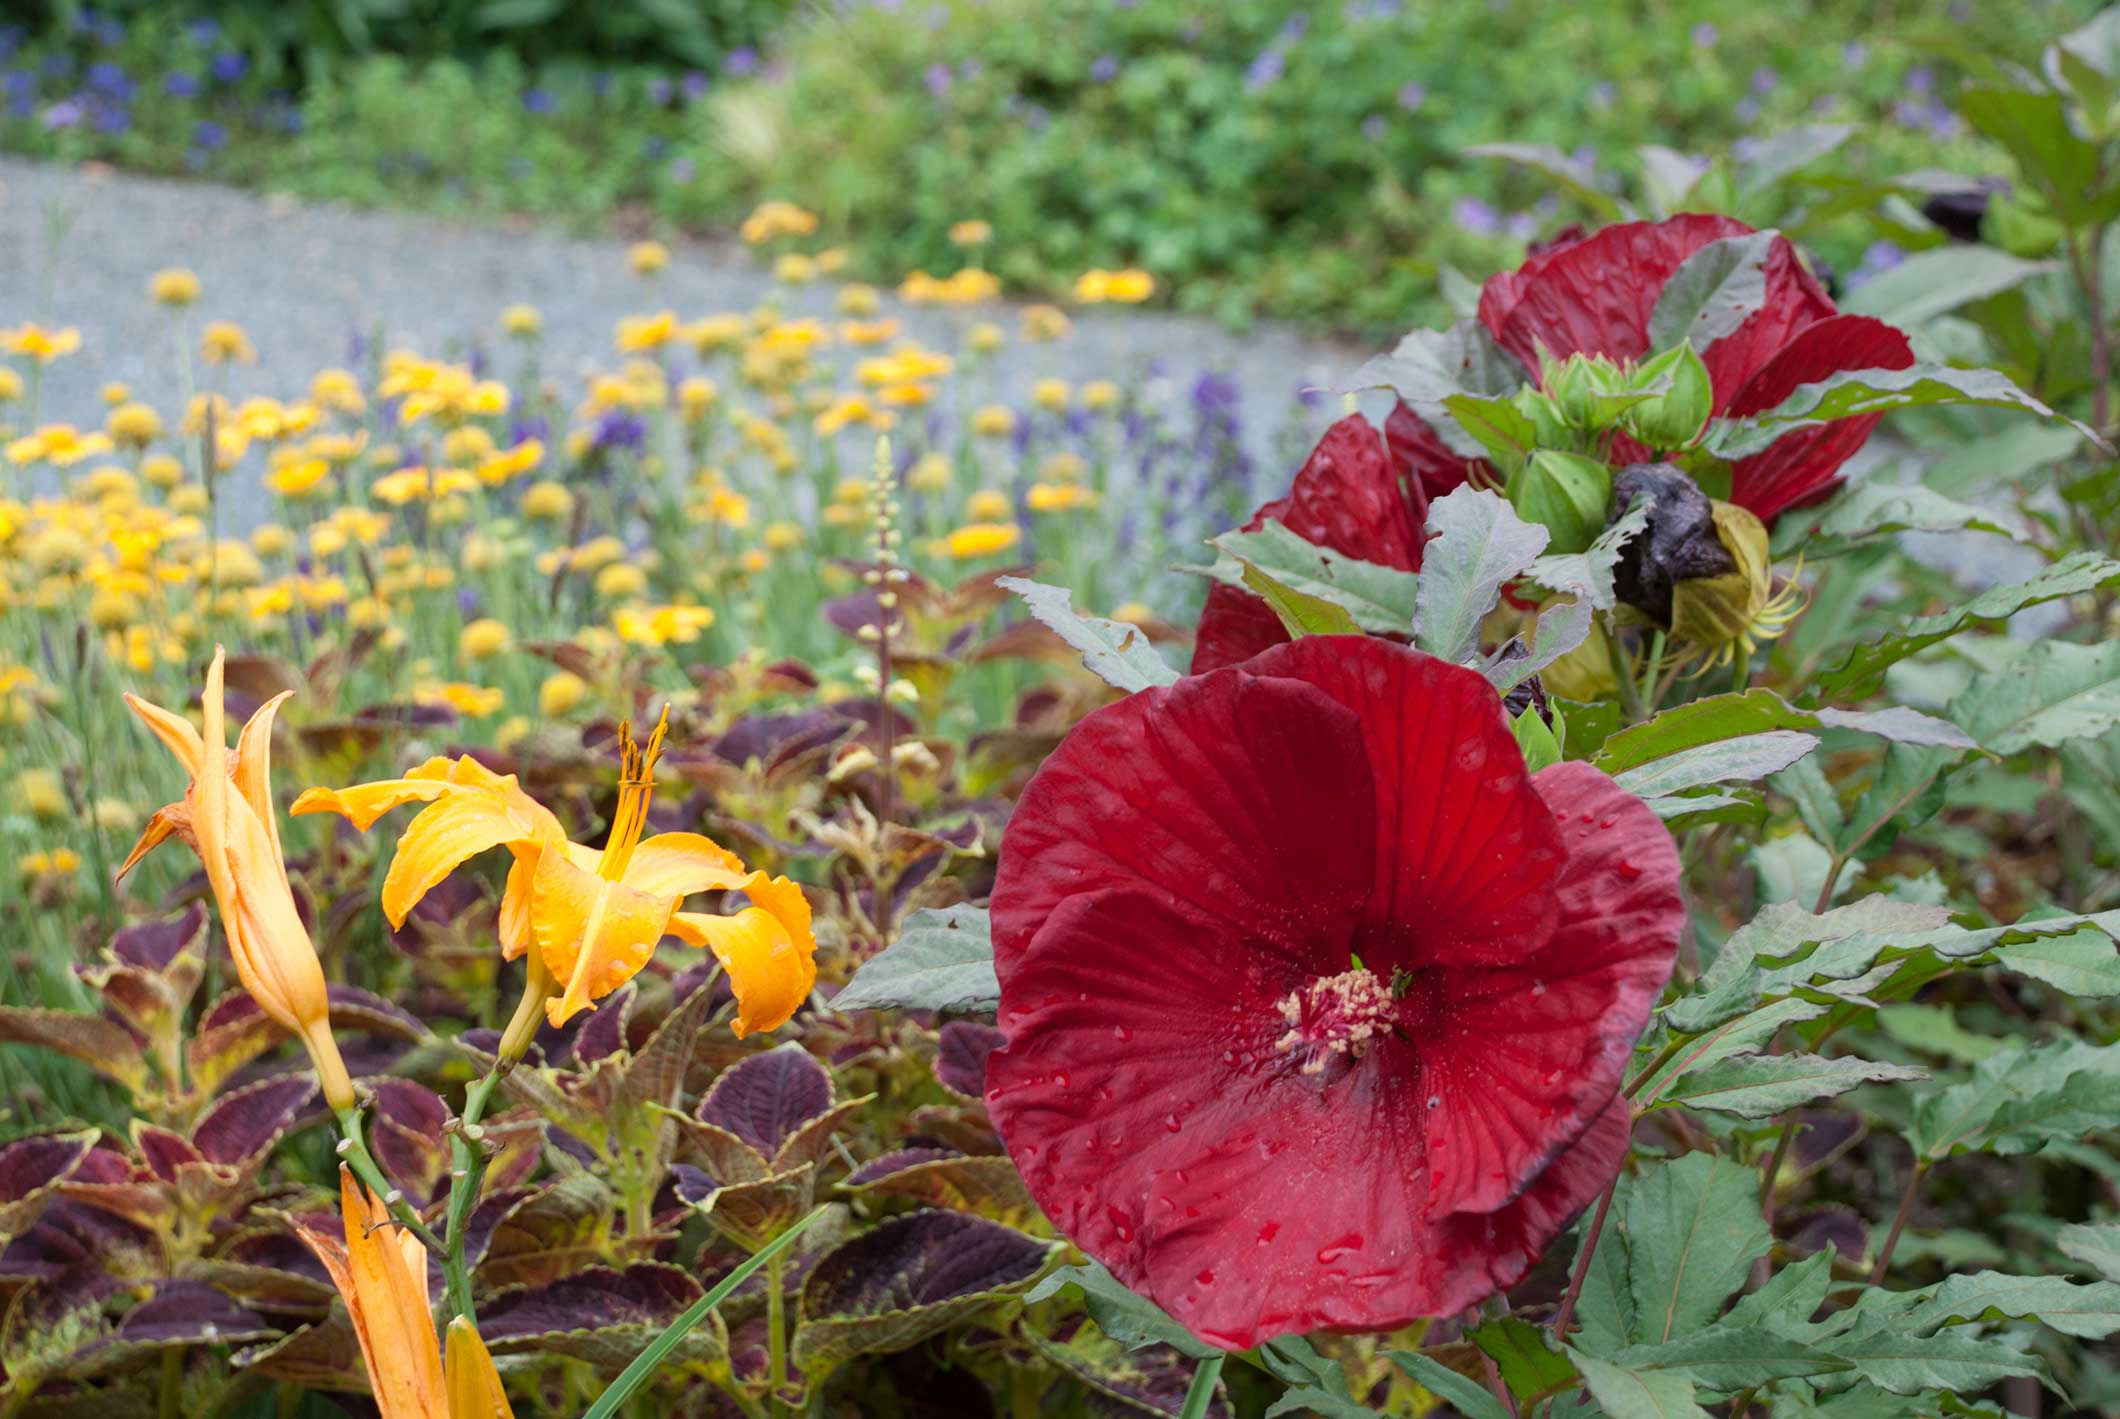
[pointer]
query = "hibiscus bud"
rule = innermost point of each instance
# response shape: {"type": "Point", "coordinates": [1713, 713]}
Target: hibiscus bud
{"type": "Point", "coordinates": [1675, 417]}
{"type": "Point", "coordinates": [2021, 225]}
{"type": "Point", "coordinates": [1566, 494]}
{"type": "Point", "coordinates": [1545, 416]}
{"type": "Point", "coordinates": [1679, 543]}
{"type": "Point", "coordinates": [1572, 386]}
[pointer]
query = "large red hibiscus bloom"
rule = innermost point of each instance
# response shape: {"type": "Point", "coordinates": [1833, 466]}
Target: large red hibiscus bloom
{"type": "Point", "coordinates": [1316, 1002]}
{"type": "Point", "coordinates": [1350, 495]}
{"type": "Point", "coordinates": [1594, 295]}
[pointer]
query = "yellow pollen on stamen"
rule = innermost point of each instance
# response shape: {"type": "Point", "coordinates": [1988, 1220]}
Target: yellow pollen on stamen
{"type": "Point", "coordinates": [636, 786]}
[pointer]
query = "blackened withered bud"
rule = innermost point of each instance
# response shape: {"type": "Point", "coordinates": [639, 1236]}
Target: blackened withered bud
{"type": "Point", "coordinates": [1679, 543]}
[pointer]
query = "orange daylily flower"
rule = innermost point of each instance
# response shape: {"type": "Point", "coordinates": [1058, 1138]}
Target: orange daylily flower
{"type": "Point", "coordinates": [381, 1273]}
{"type": "Point", "coordinates": [594, 915]}
{"type": "Point", "coordinates": [237, 837]}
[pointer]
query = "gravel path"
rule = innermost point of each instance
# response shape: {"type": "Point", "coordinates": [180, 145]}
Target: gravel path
{"type": "Point", "coordinates": [77, 247]}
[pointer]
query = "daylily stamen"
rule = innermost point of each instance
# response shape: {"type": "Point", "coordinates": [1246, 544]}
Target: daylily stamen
{"type": "Point", "coordinates": [636, 786]}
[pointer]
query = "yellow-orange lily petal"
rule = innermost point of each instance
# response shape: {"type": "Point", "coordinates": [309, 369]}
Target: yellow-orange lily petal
{"type": "Point", "coordinates": [174, 730]}
{"type": "Point", "coordinates": [456, 827]}
{"type": "Point", "coordinates": [766, 948]}
{"type": "Point", "coordinates": [363, 803]}
{"type": "Point", "coordinates": [594, 934]}
{"type": "Point", "coordinates": [171, 820]}
{"type": "Point", "coordinates": [227, 816]}
{"type": "Point", "coordinates": [679, 864]}
{"type": "Point", "coordinates": [381, 1272]}
{"type": "Point", "coordinates": [474, 1385]}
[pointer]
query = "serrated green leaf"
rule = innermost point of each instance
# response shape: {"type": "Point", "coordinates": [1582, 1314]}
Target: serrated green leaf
{"type": "Point", "coordinates": [1526, 1363]}
{"type": "Point", "coordinates": [2054, 691]}
{"type": "Point", "coordinates": [1749, 758]}
{"type": "Point", "coordinates": [2082, 963]}
{"type": "Point", "coordinates": [2087, 1310]}
{"type": "Point", "coordinates": [1719, 719]}
{"type": "Point", "coordinates": [1117, 653]}
{"type": "Point", "coordinates": [1639, 1394]}
{"type": "Point", "coordinates": [1713, 291]}
{"type": "Point", "coordinates": [1763, 1085]}
{"type": "Point", "coordinates": [2019, 1099]}
{"type": "Point", "coordinates": [1788, 1300]}
{"type": "Point", "coordinates": [2096, 1246]}
{"type": "Point", "coordinates": [1851, 393]}
{"type": "Point", "coordinates": [1928, 283]}
{"type": "Point", "coordinates": [1466, 1396]}
{"type": "Point", "coordinates": [1933, 1029]}
{"type": "Point", "coordinates": [1914, 1364]}
{"type": "Point", "coordinates": [1681, 1237]}
{"type": "Point", "coordinates": [1587, 575]}
{"type": "Point", "coordinates": [1131, 1319]}
{"type": "Point", "coordinates": [1377, 598]}
{"type": "Point", "coordinates": [1301, 615]}
{"type": "Point", "coordinates": [1731, 1357]}
{"type": "Point", "coordinates": [1478, 542]}
{"type": "Point", "coordinates": [1428, 366]}
{"type": "Point", "coordinates": [1863, 670]}
{"type": "Point", "coordinates": [943, 959]}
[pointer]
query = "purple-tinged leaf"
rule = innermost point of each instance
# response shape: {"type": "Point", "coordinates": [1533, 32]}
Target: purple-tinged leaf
{"type": "Point", "coordinates": [155, 945]}
{"type": "Point", "coordinates": [723, 1158]}
{"type": "Point", "coordinates": [603, 1032]}
{"type": "Point", "coordinates": [406, 1137]}
{"type": "Point", "coordinates": [989, 1185]}
{"type": "Point", "coordinates": [765, 1098]}
{"type": "Point", "coordinates": [188, 1313]}
{"type": "Point", "coordinates": [1153, 1379]}
{"type": "Point", "coordinates": [1834, 1225]}
{"type": "Point", "coordinates": [601, 1316]}
{"type": "Point", "coordinates": [910, 1278]}
{"type": "Point", "coordinates": [550, 1233]}
{"type": "Point", "coordinates": [896, 1161]}
{"type": "Point", "coordinates": [355, 1009]}
{"type": "Point", "coordinates": [752, 1214]}
{"type": "Point", "coordinates": [241, 1128]}
{"type": "Point", "coordinates": [960, 1056]}
{"type": "Point", "coordinates": [70, 1237]}
{"type": "Point", "coordinates": [767, 737]}
{"type": "Point", "coordinates": [324, 1357]}
{"type": "Point", "coordinates": [163, 1151]}
{"type": "Point", "coordinates": [809, 1143]}
{"type": "Point", "coordinates": [28, 1169]}
{"type": "Point", "coordinates": [103, 1045]}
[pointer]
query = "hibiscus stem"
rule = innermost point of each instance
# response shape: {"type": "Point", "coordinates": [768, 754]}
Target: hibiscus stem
{"type": "Point", "coordinates": [1566, 1313]}
{"type": "Point", "coordinates": [1899, 1222]}
{"type": "Point", "coordinates": [1630, 696]}
{"type": "Point", "coordinates": [1202, 1392]}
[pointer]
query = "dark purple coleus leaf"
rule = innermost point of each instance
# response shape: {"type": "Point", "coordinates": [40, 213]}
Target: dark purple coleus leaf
{"type": "Point", "coordinates": [186, 1312]}
{"type": "Point", "coordinates": [765, 1098]}
{"type": "Point", "coordinates": [598, 1298]}
{"type": "Point", "coordinates": [1834, 1225]}
{"type": "Point", "coordinates": [897, 1161]}
{"type": "Point", "coordinates": [960, 1056]}
{"type": "Point", "coordinates": [70, 1235]}
{"type": "Point", "coordinates": [29, 1165]}
{"type": "Point", "coordinates": [242, 1127]}
{"type": "Point", "coordinates": [152, 945]}
{"type": "Point", "coordinates": [407, 1136]}
{"type": "Point", "coordinates": [603, 1033]}
{"type": "Point", "coordinates": [163, 1151]}
{"type": "Point", "coordinates": [921, 1259]}
{"type": "Point", "coordinates": [765, 737]}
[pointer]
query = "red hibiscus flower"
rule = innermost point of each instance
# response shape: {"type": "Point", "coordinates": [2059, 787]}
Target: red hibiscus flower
{"type": "Point", "coordinates": [1316, 1002]}
{"type": "Point", "coordinates": [1594, 296]}
{"type": "Point", "coordinates": [1350, 495]}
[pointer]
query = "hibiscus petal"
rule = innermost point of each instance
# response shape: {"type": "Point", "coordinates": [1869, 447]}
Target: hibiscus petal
{"type": "Point", "coordinates": [1347, 496]}
{"type": "Point", "coordinates": [1426, 461]}
{"type": "Point", "coordinates": [456, 827]}
{"type": "Point", "coordinates": [1595, 297]}
{"type": "Point", "coordinates": [1804, 463]}
{"type": "Point", "coordinates": [766, 948]}
{"type": "Point", "coordinates": [679, 864]}
{"type": "Point", "coordinates": [1244, 800]}
{"type": "Point", "coordinates": [1518, 1060]}
{"type": "Point", "coordinates": [594, 934]}
{"type": "Point", "coordinates": [1465, 852]}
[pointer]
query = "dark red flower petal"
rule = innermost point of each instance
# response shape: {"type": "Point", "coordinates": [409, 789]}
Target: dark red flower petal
{"type": "Point", "coordinates": [1143, 1101]}
{"type": "Point", "coordinates": [1522, 1056]}
{"type": "Point", "coordinates": [1806, 462]}
{"type": "Point", "coordinates": [1594, 297]}
{"type": "Point", "coordinates": [1347, 496]}
{"type": "Point", "coordinates": [1240, 800]}
{"type": "Point", "coordinates": [1428, 464]}
{"type": "Point", "coordinates": [1465, 850]}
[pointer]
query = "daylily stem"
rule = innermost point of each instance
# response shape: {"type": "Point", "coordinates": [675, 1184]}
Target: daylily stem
{"type": "Point", "coordinates": [776, 1333]}
{"type": "Point", "coordinates": [467, 1176]}
{"type": "Point", "coordinates": [354, 1150]}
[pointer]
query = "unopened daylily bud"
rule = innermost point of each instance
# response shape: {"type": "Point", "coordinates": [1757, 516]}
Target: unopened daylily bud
{"type": "Point", "coordinates": [474, 1385]}
{"type": "Point", "coordinates": [228, 818]}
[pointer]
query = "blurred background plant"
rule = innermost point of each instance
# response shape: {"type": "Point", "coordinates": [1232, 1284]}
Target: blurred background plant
{"type": "Point", "coordinates": [1262, 157]}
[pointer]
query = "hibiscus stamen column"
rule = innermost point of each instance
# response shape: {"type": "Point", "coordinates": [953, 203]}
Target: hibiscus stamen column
{"type": "Point", "coordinates": [1333, 1020]}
